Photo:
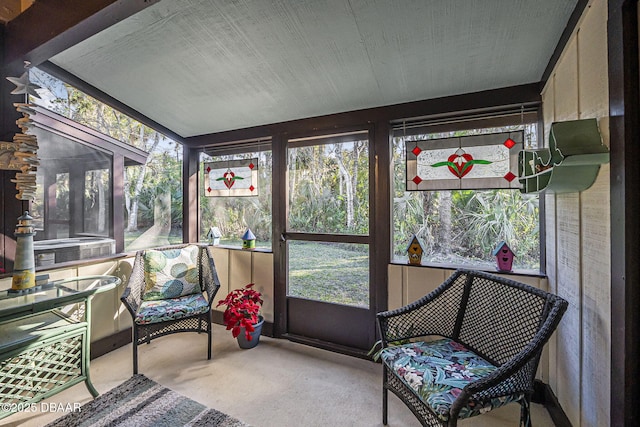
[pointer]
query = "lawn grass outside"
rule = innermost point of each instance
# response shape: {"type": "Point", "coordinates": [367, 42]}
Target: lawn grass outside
{"type": "Point", "coordinates": [330, 272]}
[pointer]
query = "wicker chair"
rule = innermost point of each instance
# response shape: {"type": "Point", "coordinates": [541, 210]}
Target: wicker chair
{"type": "Point", "coordinates": [471, 345]}
{"type": "Point", "coordinates": [165, 293]}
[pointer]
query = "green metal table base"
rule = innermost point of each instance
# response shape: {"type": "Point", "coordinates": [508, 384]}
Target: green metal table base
{"type": "Point", "coordinates": [43, 349]}
{"type": "Point", "coordinates": [57, 360]}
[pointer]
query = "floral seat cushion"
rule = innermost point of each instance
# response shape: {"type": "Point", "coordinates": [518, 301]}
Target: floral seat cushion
{"type": "Point", "coordinates": [171, 309]}
{"type": "Point", "coordinates": [171, 273]}
{"type": "Point", "coordinates": [437, 371]}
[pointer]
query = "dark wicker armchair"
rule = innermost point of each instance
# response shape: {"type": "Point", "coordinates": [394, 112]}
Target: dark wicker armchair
{"type": "Point", "coordinates": [166, 293]}
{"type": "Point", "coordinates": [486, 335]}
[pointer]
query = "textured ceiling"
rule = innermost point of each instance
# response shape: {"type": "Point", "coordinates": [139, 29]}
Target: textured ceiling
{"type": "Point", "coordinates": [204, 66]}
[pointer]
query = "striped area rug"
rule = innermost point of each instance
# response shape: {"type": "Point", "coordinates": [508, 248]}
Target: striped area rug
{"type": "Point", "coordinates": [141, 402]}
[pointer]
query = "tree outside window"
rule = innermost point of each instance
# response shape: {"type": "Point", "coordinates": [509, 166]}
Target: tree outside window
{"type": "Point", "coordinates": [460, 228]}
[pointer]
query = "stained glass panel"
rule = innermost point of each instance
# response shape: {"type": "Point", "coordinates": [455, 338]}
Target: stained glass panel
{"type": "Point", "coordinates": [466, 162]}
{"type": "Point", "coordinates": [231, 178]}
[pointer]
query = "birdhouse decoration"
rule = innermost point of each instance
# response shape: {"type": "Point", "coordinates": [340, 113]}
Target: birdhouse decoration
{"type": "Point", "coordinates": [504, 256]}
{"type": "Point", "coordinates": [414, 251]}
{"type": "Point", "coordinates": [214, 235]}
{"type": "Point", "coordinates": [248, 240]}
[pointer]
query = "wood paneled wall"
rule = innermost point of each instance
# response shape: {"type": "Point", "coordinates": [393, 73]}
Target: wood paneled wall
{"type": "Point", "coordinates": [236, 268]}
{"type": "Point", "coordinates": [578, 235]}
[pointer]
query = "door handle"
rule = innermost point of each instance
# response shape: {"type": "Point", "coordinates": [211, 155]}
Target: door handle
{"type": "Point", "coordinates": [283, 238]}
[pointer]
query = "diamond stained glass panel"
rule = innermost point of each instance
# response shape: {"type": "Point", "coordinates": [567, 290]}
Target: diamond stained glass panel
{"type": "Point", "coordinates": [231, 178]}
{"type": "Point", "coordinates": [488, 161]}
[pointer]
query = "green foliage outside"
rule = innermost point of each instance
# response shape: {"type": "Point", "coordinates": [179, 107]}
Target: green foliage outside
{"type": "Point", "coordinates": [144, 185]}
{"type": "Point", "coordinates": [233, 215]}
{"type": "Point", "coordinates": [462, 227]}
{"type": "Point", "coordinates": [329, 188]}
{"type": "Point", "coordinates": [329, 193]}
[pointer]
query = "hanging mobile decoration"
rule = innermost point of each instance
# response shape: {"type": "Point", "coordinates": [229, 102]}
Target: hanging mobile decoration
{"type": "Point", "coordinates": [26, 160]}
{"type": "Point", "coordinates": [23, 85]}
{"type": "Point", "coordinates": [26, 144]}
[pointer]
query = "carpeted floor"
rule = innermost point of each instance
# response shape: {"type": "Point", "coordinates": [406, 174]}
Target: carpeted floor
{"type": "Point", "coordinates": [277, 384]}
{"type": "Point", "coordinates": [141, 402]}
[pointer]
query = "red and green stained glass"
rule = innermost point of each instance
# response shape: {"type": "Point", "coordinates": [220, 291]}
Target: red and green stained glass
{"type": "Point", "coordinates": [467, 162]}
{"type": "Point", "coordinates": [231, 178]}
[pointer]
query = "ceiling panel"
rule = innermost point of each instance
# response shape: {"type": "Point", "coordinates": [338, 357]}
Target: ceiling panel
{"type": "Point", "coordinates": [205, 66]}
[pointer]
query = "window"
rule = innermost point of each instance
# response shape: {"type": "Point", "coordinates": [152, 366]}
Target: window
{"type": "Point", "coordinates": [80, 140]}
{"type": "Point", "coordinates": [460, 228]}
{"type": "Point", "coordinates": [72, 210]}
{"type": "Point", "coordinates": [233, 214]}
{"type": "Point", "coordinates": [328, 192]}
{"type": "Point", "coordinates": [329, 186]}
{"type": "Point", "coordinates": [153, 196]}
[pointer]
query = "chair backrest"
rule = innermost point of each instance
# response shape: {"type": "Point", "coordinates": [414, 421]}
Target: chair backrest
{"type": "Point", "coordinates": [171, 272]}
{"type": "Point", "coordinates": [499, 317]}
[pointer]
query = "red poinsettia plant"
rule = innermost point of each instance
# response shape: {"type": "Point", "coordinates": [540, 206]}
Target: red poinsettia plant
{"type": "Point", "coordinates": [243, 306]}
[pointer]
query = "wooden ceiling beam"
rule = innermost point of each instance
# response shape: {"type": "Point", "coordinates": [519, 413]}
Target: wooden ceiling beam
{"type": "Point", "coordinates": [527, 95]}
{"type": "Point", "coordinates": [49, 27]}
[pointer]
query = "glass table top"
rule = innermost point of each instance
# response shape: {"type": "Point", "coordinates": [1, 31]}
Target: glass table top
{"type": "Point", "coordinates": [55, 293]}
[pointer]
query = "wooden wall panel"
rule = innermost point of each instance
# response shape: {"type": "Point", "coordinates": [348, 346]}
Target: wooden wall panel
{"type": "Point", "coordinates": [110, 316]}
{"type": "Point", "coordinates": [565, 87]}
{"type": "Point", "coordinates": [237, 268]}
{"type": "Point", "coordinates": [263, 279]}
{"type": "Point", "coordinates": [240, 267]}
{"type": "Point", "coordinates": [548, 108]}
{"type": "Point", "coordinates": [551, 271]}
{"type": "Point", "coordinates": [122, 318]}
{"type": "Point", "coordinates": [5, 283]}
{"type": "Point", "coordinates": [569, 287]}
{"type": "Point", "coordinates": [221, 261]}
{"type": "Point", "coordinates": [421, 281]}
{"type": "Point", "coordinates": [592, 62]}
{"type": "Point", "coordinates": [548, 114]}
{"type": "Point", "coordinates": [578, 235]}
{"type": "Point", "coordinates": [396, 288]}
{"type": "Point", "coordinates": [596, 302]}
{"type": "Point", "coordinates": [595, 226]}
{"type": "Point", "coordinates": [105, 304]}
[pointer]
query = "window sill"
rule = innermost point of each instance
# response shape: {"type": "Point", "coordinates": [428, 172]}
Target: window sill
{"type": "Point", "coordinates": [238, 248]}
{"type": "Point", "coordinates": [443, 266]}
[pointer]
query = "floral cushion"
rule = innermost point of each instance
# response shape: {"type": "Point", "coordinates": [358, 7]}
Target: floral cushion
{"type": "Point", "coordinates": [171, 309]}
{"type": "Point", "coordinates": [437, 371]}
{"type": "Point", "coordinates": [171, 273]}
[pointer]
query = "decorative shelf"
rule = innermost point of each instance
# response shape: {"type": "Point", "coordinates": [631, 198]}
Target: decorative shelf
{"type": "Point", "coordinates": [570, 164]}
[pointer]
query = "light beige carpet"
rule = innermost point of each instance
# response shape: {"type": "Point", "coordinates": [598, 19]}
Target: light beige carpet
{"type": "Point", "coordinates": [278, 383]}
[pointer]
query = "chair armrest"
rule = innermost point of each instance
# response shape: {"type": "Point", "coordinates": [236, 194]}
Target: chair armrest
{"type": "Point", "coordinates": [532, 350]}
{"type": "Point", "coordinates": [517, 374]}
{"type": "Point", "coordinates": [132, 295]}
{"type": "Point", "coordinates": [209, 274]}
{"type": "Point", "coordinates": [434, 314]}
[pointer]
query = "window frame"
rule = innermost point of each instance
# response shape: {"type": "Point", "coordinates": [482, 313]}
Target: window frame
{"type": "Point", "coordinates": [450, 123]}
{"type": "Point", "coordinates": [121, 154]}
{"type": "Point", "coordinates": [231, 149]}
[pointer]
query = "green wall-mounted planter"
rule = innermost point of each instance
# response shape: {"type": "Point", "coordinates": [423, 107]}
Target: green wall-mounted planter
{"type": "Point", "coordinates": [570, 164]}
